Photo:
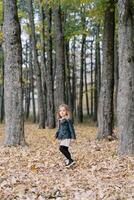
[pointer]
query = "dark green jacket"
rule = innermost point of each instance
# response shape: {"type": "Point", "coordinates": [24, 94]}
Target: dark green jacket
{"type": "Point", "coordinates": [65, 130]}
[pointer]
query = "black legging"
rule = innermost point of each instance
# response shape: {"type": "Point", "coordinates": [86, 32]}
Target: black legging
{"type": "Point", "coordinates": [65, 152]}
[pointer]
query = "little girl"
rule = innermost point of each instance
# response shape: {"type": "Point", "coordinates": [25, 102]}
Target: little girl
{"type": "Point", "coordinates": [65, 132]}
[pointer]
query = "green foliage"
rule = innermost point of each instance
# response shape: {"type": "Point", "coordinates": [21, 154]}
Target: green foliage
{"type": "Point", "coordinates": [97, 10]}
{"type": "Point", "coordinates": [76, 14]}
{"type": "Point", "coordinates": [74, 27]}
{"type": "Point", "coordinates": [93, 10]}
{"type": "Point", "coordinates": [21, 13]}
{"type": "Point", "coordinates": [22, 8]}
{"type": "Point", "coordinates": [73, 13]}
{"type": "Point", "coordinates": [73, 4]}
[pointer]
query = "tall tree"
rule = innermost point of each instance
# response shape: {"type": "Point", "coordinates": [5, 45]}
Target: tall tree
{"type": "Point", "coordinates": [74, 81]}
{"type": "Point", "coordinates": [14, 123]}
{"type": "Point", "coordinates": [105, 107]}
{"type": "Point", "coordinates": [68, 74]}
{"type": "Point", "coordinates": [43, 57]}
{"type": "Point", "coordinates": [86, 87]}
{"type": "Point", "coordinates": [80, 102]}
{"type": "Point", "coordinates": [26, 87]}
{"type": "Point", "coordinates": [49, 72]}
{"type": "Point", "coordinates": [41, 109]}
{"type": "Point", "coordinates": [116, 78]}
{"type": "Point", "coordinates": [82, 63]}
{"type": "Point", "coordinates": [97, 71]}
{"type": "Point", "coordinates": [60, 57]}
{"type": "Point", "coordinates": [31, 73]}
{"type": "Point", "coordinates": [91, 72]}
{"type": "Point", "coordinates": [1, 84]}
{"type": "Point", "coordinates": [126, 77]}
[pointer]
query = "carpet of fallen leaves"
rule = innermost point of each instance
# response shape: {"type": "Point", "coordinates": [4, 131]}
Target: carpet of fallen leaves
{"type": "Point", "coordinates": [37, 172]}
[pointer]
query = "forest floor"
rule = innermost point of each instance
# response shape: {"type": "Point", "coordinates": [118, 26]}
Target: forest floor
{"type": "Point", "coordinates": [38, 172]}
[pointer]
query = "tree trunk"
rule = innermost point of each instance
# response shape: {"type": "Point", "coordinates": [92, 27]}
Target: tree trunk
{"type": "Point", "coordinates": [2, 86]}
{"type": "Point", "coordinates": [80, 102]}
{"type": "Point", "coordinates": [92, 105]}
{"type": "Point", "coordinates": [126, 78]}
{"type": "Point", "coordinates": [86, 88]}
{"type": "Point", "coordinates": [82, 63]}
{"type": "Point", "coordinates": [116, 79]}
{"type": "Point", "coordinates": [41, 111]}
{"type": "Point", "coordinates": [74, 80]}
{"type": "Point", "coordinates": [60, 58]}
{"type": "Point", "coordinates": [14, 123]}
{"type": "Point", "coordinates": [43, 59]}
{"type": "Point", "coordinates": [105, 108]}
{"type": "Point", "coordinates": [97, 73]}
{"type": "Point", "coordinates": [68, 80]}
{"type": "Point", "coordinates": [32, 80]}
{"type": "Point", "coordinates": [49, 73]}
{"type": "Point", "coordinates": [27, 85]}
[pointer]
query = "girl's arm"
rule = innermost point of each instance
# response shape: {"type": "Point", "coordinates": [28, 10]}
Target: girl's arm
{"type": "Point", "coordinates": [56, 134]}
{"type": "Point", "coordinates": [71, 128]}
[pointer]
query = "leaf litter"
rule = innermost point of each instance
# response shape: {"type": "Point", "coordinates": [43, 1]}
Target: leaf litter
{"type": "Point", "coordinates": [37, 171]}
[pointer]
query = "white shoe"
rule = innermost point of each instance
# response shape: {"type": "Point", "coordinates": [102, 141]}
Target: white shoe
{"type": "Point", "coordinates": [70, 163]}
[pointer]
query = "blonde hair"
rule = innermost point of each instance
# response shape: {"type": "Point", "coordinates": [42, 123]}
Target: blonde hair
{"type": "Point", "coordinates": [67, 111]}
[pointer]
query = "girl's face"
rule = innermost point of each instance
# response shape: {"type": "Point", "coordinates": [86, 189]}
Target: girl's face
{"type": "Point", "coordinates": [62, 112]}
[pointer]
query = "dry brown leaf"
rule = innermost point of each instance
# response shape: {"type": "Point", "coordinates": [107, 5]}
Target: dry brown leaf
{"type": "Point", "coordinates": [38, 171]}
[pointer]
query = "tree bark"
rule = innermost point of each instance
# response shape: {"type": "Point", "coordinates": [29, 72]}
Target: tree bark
{"type": "Point", "coordinates": [14, 123]}
{"type": "Point", "coordinates": [27, 85]}
{"type": "Point", "coordinates": [41, 111]}
{"type": "Point", "coordinates": [49, 73]}
{"type": "Point", "coordinates": [32, 80]}
{"type": "Point", "coordinates": [60, 58]}
{"type": "Point", "coordinates": [74, 80]}
{"type": "Point", "coordinates": [80, 102]}
{"type": "Point", "coordinates": [82, 63]}
{"type": "Point", "coordinates": [2, 112]}
{"type": "Point", "coordinates": [125, 101]}
{"type": "Point", "coordinates": [97, 73]}
{"type": "Point", "coordinates": [105, 108]}
{"type": "Point", "coordinates": [92, 102]}
{"type": "Point", "coordinates": [116, 79]}
{"type": "Point", "coordinates": [68, 79]}
{"type": "Point", "coordinates": [86, 87]}
{"type": "Point", "coordinates": [43, 59]}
